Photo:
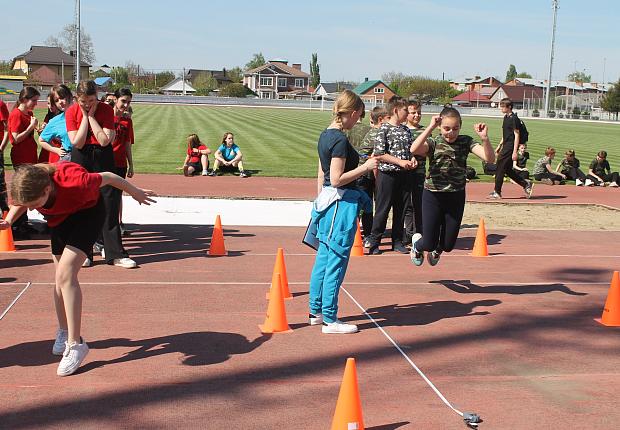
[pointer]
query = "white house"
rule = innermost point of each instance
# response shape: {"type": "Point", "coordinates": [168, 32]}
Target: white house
{"type": "Point", "coordinates": [177, 87]}
{"type": "Point", "coordinates": [330, 90]}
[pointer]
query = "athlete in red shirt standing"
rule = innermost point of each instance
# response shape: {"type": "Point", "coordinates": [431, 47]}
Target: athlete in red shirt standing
{"type": "Point", "coordinates": [69, 198]}
{"type": "Point", "coordinates": [4, 140]}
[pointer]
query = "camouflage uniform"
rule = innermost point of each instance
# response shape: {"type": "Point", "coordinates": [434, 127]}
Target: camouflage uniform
{"type": "Point", "coordinates": [539, 166]}
{"type": "Point", "coordinates": [413, 207]}
{"type": "Point", "coordinates": [447, 163]}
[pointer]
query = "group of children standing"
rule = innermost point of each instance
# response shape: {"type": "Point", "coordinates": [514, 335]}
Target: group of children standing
{"type": "Point", "coordinates": [227, 157]}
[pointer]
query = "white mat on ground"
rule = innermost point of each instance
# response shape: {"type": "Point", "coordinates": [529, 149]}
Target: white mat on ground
{"type": "Point", "coordinates": [192, 211]}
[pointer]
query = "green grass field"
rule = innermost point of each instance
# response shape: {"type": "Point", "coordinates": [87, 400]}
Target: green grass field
{"type": "Point", "coordinates": [282, 142]}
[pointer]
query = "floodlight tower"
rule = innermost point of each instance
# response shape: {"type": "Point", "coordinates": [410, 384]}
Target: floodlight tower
{"type": "Point", "coordinates": [78, 42]}
{"type": "Point", "coordinates": [554, 4]}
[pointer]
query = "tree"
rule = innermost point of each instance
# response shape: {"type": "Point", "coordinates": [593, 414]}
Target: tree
{"type": "Point", "coordinates": [235, 90]}
{"type": "Point", "coordinates": [67, 41]}
{"type": "Point", "coordinates": [579, 77]}
{"type": "Point", "coordinates": [204, 83]}
{"type": "Point", "coordinates": [235, 74]}
{"type": "Point", "coordinates": [315, 74]}
{"type": "Point", "coordinates": [256, 61]}
{"type": "Point", "coordinates": [5, 69]}
{"type": "Point", "coordinates": [611, 101]}
{"type": "Point", "coordinates": [524, 75]}
{"type": "Point", "coordinates": [511, 73]}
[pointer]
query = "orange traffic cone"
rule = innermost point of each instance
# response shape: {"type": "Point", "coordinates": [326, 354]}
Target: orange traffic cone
{"type": "Point", "coordinates": [358, 246]}
{"type": "Point", "coordinates": [348, 415]}
{"type": "Point", "coordinates": [480, 245]}
{"type": "Point", "coordinates": [280, 268]}
{"type": "Point", "coordinates": [217, 239]}
{"type": "Point", "coordinates": [611, 311]}
{"type": "Point", "coordinates": [6, 239]}
{"type": "Point", "coordinates": [276, 322]}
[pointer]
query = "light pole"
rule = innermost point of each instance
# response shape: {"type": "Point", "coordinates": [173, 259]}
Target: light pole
{"type": "Point", "coordinates": [78, 40]}
{"type": "Point", "coordinates": [555, 16]}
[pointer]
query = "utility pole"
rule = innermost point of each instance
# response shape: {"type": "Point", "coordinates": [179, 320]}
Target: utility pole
{"type": "Point", "coordinates": [78, 38]}
{"type": "Point", "coordinates": [183, 78]}
{"type": "Point", "coordinates": [554, 4]}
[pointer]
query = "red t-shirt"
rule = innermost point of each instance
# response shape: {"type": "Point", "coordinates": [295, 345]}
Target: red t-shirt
{"type": "Point", "coordinates": [124, 133]}
{"type": "Point", "coordinates": [104, 116]}
{"type": "Point", "coordinates": [4, 116]}
{"type": "Point", "coordinates": [25, 151]}
{"type": "Point", "coordinates": [76, 189]}
{"type": "Point", "coordinates": [195, 157]}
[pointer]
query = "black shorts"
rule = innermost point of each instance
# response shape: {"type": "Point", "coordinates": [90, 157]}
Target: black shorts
{"type": "Point", "coordinates": [80, 230]}
{"type": "Point", "coordinates": [121, 171]}
{"type": "Point", "coordinates": [197, 168]}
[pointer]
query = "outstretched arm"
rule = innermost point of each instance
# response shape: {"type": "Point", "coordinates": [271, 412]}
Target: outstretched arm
{"type": "Point", "coordinates": [138, 194]}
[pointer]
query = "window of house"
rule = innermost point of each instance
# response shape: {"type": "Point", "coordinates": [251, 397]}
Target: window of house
{"type": "Point", "coordinates": [266, 95]}
{"type": "Point", "coordinates": [299, 83]}
{"type": "Point", "coordinates": [281, 82]}
{"type": "Point", "coordinates": [266, 82]}
{"type": "Point", "coordinates": [379, 90]}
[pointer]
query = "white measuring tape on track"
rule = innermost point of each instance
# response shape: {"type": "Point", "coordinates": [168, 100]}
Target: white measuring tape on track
{"type": "Point", "coordinates": [6, 311]}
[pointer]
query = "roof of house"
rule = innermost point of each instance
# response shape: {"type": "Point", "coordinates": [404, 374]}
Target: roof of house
{"type": "Point", "coordinates": [288, 70]}
{"type": "Point", "coordinates": [519, 93]}
{"type": "Point", "coordinates": [177, 85]}
{"type": "Point", "coordinates": [44, 76]}
{"type": "Point", "coordinates": [335, 87]}
{"type": "Point", "coordinates": [48, 55]}
{"type": "Point", "coordinates": [219, 75]}
{"type": "Point", "coordinates": [103, 81]}
{"type": "Point", "coordinates": [367, 85]}
{"type": "Point", "coordinates": [471, 96]}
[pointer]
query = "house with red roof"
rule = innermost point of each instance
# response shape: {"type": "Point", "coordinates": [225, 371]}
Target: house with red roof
{"type": "Point", "coordinates": [521, 95]}
{"type": "Point", "coordinates": [472, 99]}
{"type": "Point", "coordinates": [47, 66]}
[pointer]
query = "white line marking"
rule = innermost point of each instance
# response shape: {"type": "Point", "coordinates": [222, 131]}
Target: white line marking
{"type": "Point", "coordinates": [6, 311]}
{"type": "Point", "coordinates": [306, 283]}
{"type": "Point", "coordinates": [416, 368]}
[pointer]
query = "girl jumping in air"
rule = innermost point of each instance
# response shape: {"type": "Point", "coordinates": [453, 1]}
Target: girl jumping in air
{"type": "Point", "coordinates": [68, 196]}
{"type": "Point", "coordinates": [443, 199]}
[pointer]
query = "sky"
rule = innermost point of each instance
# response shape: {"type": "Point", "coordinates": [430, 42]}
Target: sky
{"type": "Point", "coordinates": [354, 39]}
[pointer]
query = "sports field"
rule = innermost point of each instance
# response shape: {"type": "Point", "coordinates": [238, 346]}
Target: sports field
{"type": "Point", "coordinates": [282, 142]}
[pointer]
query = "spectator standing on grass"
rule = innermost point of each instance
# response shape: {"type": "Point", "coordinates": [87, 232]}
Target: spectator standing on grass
{"type": "Point", "coordinates": [443, 201]}
{"type": "Point", "coordinates": [68, 196]}
{"type": "Point", "coordinates": [196, 157]}
{"type": "Point", "coordinates": [394, 177]}
{"type": "Point", "coordinates": [413, 206]}
{"type": "Point", "coordinates": [569, 167]}
{"type": "Point", "coordinates": [600, 172]}
{"type": "Point", "coordinates": [335, 211]}
{"type": "Point", "coordinates": [229, 157]}
{"type": "Point", "coordinates": [543, 171]}
{"type": "Point", "coordinates": [54, 137]}
{"type": "Point", "coordinates": [90, 124]}
{"type": "Point", "coordinates": [22, 126]}
{"type": "Point", "coordinates": [507, 152]}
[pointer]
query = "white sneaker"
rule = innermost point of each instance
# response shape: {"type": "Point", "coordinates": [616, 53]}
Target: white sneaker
{"type": "Point", "coordinates": [613, 184]}
{"type": "Point", "coordinates": [59, 343]}
{"type": "Point", "coordinates": [578, 182]}
{"type": "Point", "coordinates": [87, 263]}
{"type": "Point", "coordinates": [72, 357]}
{"type": "Point", "coordinates": [417, 257]}
{"type": "Point", "coordinates": [338, 327]}
{"type": "Point", "coordinates": [205, 173]}
{"type": "Point", "coordinates": [126, 263]}
{"type": "Point", "coordinates": [589, 182]}
{"type": "Point", "coordinates": [315, 319]}
{"type": "Point", "coordinates": [103, 253]}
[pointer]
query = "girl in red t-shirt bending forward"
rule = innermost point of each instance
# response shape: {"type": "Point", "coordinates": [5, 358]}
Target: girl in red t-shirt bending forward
{"type": "Point", "coordinates": [68, 196]}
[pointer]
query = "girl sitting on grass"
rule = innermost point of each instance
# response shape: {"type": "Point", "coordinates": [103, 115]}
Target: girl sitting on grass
{"type": "Point", "coordinates": [197, 157]}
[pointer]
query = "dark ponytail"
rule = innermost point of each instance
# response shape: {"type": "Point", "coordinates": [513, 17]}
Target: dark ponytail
{"type": "Point", "coordinates": [26, 94]}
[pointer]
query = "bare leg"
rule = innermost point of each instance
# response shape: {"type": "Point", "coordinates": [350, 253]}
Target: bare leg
{"type": "Point", "coordinates": [67, 269]}
{"type": "Point", "coordinates": [204, 160]}
{"type": "Point", "coordinates": [58, 303]}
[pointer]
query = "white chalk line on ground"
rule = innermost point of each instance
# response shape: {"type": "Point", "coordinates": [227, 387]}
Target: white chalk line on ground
{"type": "Point", "coordinates": [399, 349]}
{"type": "Point", "coordinates": [6, 311]}
{"type": "Point", "coordinates": [516, 284]}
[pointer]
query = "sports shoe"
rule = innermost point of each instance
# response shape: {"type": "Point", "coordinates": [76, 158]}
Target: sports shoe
{"type": "Point", "coordinates": [315, 319]}
{"type": "Point", "coordinates": [494, 196]}
{"type": "Point", "coordinates": [59, 343]}
{"type": "Point", "coordinates": [366, 243]}
{"type": "Point", "coordinates": [126, 263]}
{"type": "Point", "coordinates": [338, 327]}
{"type": "Point", "coordinates": [417, 257]}
{"type": "Point", "coordinates": [212, 173]}
{"type": "Point", "coordinates": [97, 248]}
{"type": "Point", "coordinates": [433, 257]}
{"type": "Point", "coordinates": [72, 357]}
{"type": "Point", "coordinates": [578, 182]}
{"type": "Point", "coordinates": [87, 262]}
{"type": "Point", "coordinates": [546, 181]}
{"type": "Point", "coordinates": [205, 173]}
{"type": "Point", "coordinates": [529, 187]}
{"type": "Point", "coordinates": [613, 184]}
{"type": "Point", "coordinates": [399, 247]}
{"type": "Point", "coordinates": [243, 174]}
{"type": "Point", "coordinates": [374, 250]}
{"type": "Point", "coordinates": [589, 183]}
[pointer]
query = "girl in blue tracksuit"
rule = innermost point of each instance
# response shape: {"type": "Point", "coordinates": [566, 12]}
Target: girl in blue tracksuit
{"type": "Point", "coordinates": [335, 212]}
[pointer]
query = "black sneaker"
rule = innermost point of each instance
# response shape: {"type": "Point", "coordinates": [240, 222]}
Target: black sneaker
{"type": "Point", "coordinates": [374, 250]}
{"type": "Point", "coordinates": [243, 174]}
{"type": "Point", "coordinates": [212, 173]}
{"type": "Point", "coordinates": [399, 247]}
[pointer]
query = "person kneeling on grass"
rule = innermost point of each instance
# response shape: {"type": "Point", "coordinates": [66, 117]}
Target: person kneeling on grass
{"type": "Point", "coordinates": [68, 196]}
{"type": "Point", "coordinates": [229, 157]}
{"type": "Point", "coordinates": [443, 199]}
{"type": "Point", "coordinates": [197, 157]}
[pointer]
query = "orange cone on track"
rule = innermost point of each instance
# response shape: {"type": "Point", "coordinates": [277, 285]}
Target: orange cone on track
{"type": "Point", "coordinates": [348, 415]}
{"type": "Point", "coordinates": [217, 239]}
{"type": "Point", "coordinates": [6, 239]}
{"type": "Point", "coordinates": [358, 246]}
{"type": "Point", "coordinates": [280, 267]}
{"type": "Point", "coordinates": [276, 322]}
{"type": "Point", "coordinates": [611, 311]}
{"type": "Point", "coordinates": [480, 245]}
